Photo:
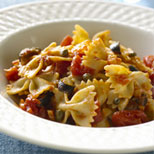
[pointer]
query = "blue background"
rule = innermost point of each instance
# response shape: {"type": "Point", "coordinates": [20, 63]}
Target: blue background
{"type": "Point", "coordinates": [9, 145]}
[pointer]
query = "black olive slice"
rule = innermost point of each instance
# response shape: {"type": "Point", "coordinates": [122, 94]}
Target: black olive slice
{"type": "Point", "coordinates": [46, 98]}
{"type": "Point", "coordinates": [65, 87]}
{"type": "Point", "coordinates": [115, 47]}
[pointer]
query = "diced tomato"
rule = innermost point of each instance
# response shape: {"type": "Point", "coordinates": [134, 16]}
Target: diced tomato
{"type": "Point", "coordinates": [99, 116]}
{"type": "Point", "coordinates": [77, 68]}
{"type": "Point", "coordinates": [66, 41]}
{"type": "Point", "coordinates": [76, 65]}
{"type": "Point", "coordinates": [149, 61]}
{"type": "Point", "coordinates": [128, 117]}
{"type": "Point", "coordinates": [32, 105]}
{"type": "Point", "coordinates": [61, 67]}
{"type": "Point", "coordinates": [12, 74]}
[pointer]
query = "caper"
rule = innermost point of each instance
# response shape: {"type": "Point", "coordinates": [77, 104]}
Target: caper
{"type": "Point", "coordinates": [87, 76]}
{"type": "Point", "coordinates": [116, 101]}
{"type": "Point", "coordinates": [65, 87]}
{"type": "Point", "coordinates": [132, 68]}
{"type": "Point", "coordinates": [59, 115]}
{"type": "Point", "coordinates": [64, 53]}
{"type": "Point", "coordinates": [115, 47]}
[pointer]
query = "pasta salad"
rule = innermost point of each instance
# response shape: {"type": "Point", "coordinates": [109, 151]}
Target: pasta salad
{"type": "Point", "coordinates": [92, 82]}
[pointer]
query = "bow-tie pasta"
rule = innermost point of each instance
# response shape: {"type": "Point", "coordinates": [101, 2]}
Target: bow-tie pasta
{"type": "Point", "coordinates": [82, 106]}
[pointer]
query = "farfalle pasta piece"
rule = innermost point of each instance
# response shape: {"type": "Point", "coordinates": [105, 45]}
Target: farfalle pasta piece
{"type": "Point", "coordinates": [81, 107]}
{"type": "Point", "coordinates": [104, 35]}
{"type": "Point", "coordinates": [142, 84]}
{"type": "Point", "coordinates": [124, 90]}
{"type": "Point", "coordinates": [96, 56]}
{"type": "Point", "coordinates": [31, 69]}
{"type": "Point", "coordinates": [112, 70]}
{"type": "Point", "coordinates": [38, 85]}
{"type": "Point", "coordinates": [59, 96]}
{"type": "Point", "coordinates": [142, 80]}
{"type": "Point", "coordinates": [124, 82]}
{"type": "Point", "coordinates": [119, 80]}
{"type": "Point", "coordinates": [97, 48]}
{"type": "Point", "coordinates": [135, 60]}
{"type": "Point", "coordinates": [80, 35]}
{"type": "Point", "coordinates": [18, 86]}
{"type": "Point", "coordinates": [101, 89]}
{"type": "Point", "coordinates": [35, 86]}
{"type": "Point", "coordinates": [50, 76]}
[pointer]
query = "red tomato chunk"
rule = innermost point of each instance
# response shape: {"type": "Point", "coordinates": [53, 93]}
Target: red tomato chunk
{"type": "Point", "coordinates": [61, 67]}
{"type": "Point", "coordinates": [12, 74]}
{"type": "Point", "coordinates": [77, 68]}
{"type": "Point", "coordinates": [32, 105]}
{"type": "Point", "coordinates": [66, 41]}
{"type": "Point", "coordinates": [149, 61]}
{"type": "Point", "coordinates": [128, 117]}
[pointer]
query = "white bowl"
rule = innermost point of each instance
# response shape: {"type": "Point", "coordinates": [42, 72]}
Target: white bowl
{"type": "Point", "coordinates": [33, 129]}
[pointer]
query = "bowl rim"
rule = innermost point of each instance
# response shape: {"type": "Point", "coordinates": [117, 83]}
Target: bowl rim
{"type": "Point", "coordinates": [101, 1]}
{"type": "Point", "coordinates": [66, 20]}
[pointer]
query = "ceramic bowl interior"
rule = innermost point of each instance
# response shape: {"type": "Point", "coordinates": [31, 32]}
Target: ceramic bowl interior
{"type": "Point", "coordinates": [41, 35]}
